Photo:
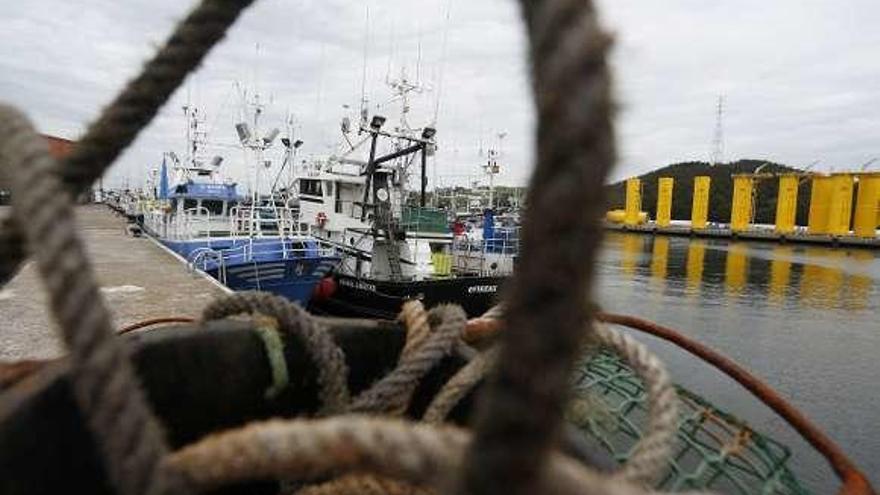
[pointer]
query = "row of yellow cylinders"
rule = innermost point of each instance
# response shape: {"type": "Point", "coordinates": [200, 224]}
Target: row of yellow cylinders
{"type": "Point", "coordinates": [830, 203]}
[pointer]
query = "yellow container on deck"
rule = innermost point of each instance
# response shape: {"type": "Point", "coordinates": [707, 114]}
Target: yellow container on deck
{"type": "Point", "coordinates": [664, 201]}
{"type": "Point", "coordinates": [840, 208]}
{"type": "Point", "coordinates": [633, 201]}
{"type": "Point", "coordinates": [786, 203]}
{"type": "Point", "coordinates": [867, 206]}
{"type": "Point", "coordinates": [741, 209]}
{"type": "Point", "coordinates": [700, 207]}
{"type": "Point", "coordinates": [820, 203]}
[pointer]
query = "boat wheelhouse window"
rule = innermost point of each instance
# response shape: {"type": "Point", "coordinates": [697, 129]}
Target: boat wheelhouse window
{"type": "Point", "coordinates": [214, 206]}
{"type": "Point", "coordinates": [311, 187]}
{"type": "Point", "coordinates": [189, 203]}
{"type": "Point", "coordinates": [328, 186]}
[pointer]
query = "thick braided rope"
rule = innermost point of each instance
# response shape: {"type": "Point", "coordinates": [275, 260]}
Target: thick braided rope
{"type": "Point", "coordinates": [393, 392]}
{"type": "Point", "coordinates": [293, 320]}
{"type": "Point", "coordinates": [104, 381]}
{"type": "Point", "coordinates": [364, 484]}
{"type": "Point", "coordinates": [415, 318]}
{"type": "Point", "coordinates": [459, 385]}
{"type": "Point", "coordinates": [122, 120]}
{"type": "Point", "coordinates": [415, 453]}
{"type": "Point", "coordinates": [520, 414]}
{"type": "Point", "coordinates": [650, 456]}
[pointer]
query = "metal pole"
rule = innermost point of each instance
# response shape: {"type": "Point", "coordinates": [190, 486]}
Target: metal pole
{"type": "Point", "coordinates": [424, 177]}
{"type": "Point", "coordinates": [369, 179]}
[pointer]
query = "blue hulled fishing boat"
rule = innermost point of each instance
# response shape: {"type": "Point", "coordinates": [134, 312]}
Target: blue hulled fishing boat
{"type": "Point", "coordinates": [248, 243]}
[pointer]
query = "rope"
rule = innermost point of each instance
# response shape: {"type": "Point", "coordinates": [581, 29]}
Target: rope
{"type": "Point", "coordinates": [267, 329]}
{"type": "Point", "coordinates": [104, 382]}
{"type": "Point", "coordinates": [393, 392]}
{"type": "Point", "coordinates": [650, 456]}
{"type": "Point", "coordinates": [292, 320]}
{"type": "Point", "coordinates": [459, 385]}
{"type": "Point", "coordinates": [415, 453]}
{"type": "Point", "coordinates": [360, 484]}
{"type": "Point", "coordinates": [519, 415]}
{"type": "Point", "coordinates": [154, 321]}
{"type": "Point", "coordinates": [415, 319]}
{"type": "Point", "coordinates": [131, 111]}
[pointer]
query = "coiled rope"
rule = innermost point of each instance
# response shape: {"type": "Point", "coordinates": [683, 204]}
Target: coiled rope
{"type": "Point", "coordinates": [292, 320]}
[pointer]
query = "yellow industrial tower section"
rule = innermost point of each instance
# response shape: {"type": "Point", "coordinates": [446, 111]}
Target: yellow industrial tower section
{"type": "Point", "coordinates": [867, 215]}
{"type": "Point", "coordinates": [700, 208]}
{"type": "Point", "coordinates": [664, 201]}
{"type": "Point", "coordinates": [820, 203]}
{"type": "Point", "coordinates": [786, 203]}
{"type": "Point", "coordinates": [741, 209]}
{"type": "Point", "coordinates": [633, 201]}
{"type": "Point", "coordinates": [840, 209]}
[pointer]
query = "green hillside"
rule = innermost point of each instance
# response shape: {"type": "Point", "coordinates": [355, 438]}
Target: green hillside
{"type": "Point", "coordinates": [721, 191]}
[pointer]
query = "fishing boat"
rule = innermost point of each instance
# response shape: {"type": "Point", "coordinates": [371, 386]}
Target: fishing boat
{"type": "Point", "coordinates": [394, 247]}
{"type": "Point", "coordinates": [246, 243]}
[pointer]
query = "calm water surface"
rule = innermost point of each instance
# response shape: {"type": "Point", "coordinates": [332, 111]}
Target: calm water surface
{"type": "Point", "coordinates": [805, 319]}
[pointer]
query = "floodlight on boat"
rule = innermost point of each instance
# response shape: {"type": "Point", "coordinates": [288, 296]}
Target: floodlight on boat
{"type": "Point", "coordinates": [377, 122]}
{"type": "Point", "coordinates": [271, 136]}
{"type": "Point", "coordinates": [244, 132]}
{"type": "Point", "coordinates": [174, 157]}
{"type": "Point", "coordinates": [428, 133]}
{"type": "Point", "coordinates": [297, 143]}
{"type": "Point", "coordinates": [217, 160]}
{"type": "Point", "coordinates": [285, 141]}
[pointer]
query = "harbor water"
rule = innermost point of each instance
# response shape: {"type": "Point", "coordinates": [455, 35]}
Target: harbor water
{"type": "Point", "coordinates": [802, 318]}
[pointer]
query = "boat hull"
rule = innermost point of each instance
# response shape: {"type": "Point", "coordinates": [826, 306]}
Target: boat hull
{"type": "Point", "coordinates": [265, 266]}
{"type": "Point", "coordinates": [367, 298]}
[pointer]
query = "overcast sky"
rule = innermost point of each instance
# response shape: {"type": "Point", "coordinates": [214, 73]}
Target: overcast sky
{"type": "Point", "coordinates": [801, 77]}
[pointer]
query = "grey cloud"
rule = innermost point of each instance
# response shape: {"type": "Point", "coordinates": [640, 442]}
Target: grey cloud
{"type": "Point", "coordinates": [800, 76]}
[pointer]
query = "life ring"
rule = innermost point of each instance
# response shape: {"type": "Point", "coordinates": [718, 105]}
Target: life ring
{"type": "Point", "coordinates": [321, 219]}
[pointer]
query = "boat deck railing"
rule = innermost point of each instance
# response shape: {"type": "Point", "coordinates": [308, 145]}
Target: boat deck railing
{"type": "Point", "coordinates": [266, 220]}
{"type": "Point", "coordinates": [492, 256]}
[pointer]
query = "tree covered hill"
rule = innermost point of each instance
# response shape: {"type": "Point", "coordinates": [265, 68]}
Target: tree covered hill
{"type": "Point", "coordinates": [721, 192]}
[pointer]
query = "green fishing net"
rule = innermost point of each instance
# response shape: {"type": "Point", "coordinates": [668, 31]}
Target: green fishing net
{"type": "Point", "coordinates": [713, 450]}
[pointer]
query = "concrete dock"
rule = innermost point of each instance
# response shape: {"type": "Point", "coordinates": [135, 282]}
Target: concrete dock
{"type": "Point", "coordinates": [138, 278]}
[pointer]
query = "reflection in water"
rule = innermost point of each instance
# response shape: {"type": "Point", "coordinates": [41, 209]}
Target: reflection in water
{"type": "Point", "coordinates": [821, 284]}
{"type": "Point", "coordinates": [696, 256]}
{"type": "Point", "coordinates": [858, 285]}
{"type": "Point", "coordinates": [631, 247]}
{"type": "Point", "coordinates": [660, 257]}
{"type": "Point", "coordinates": [780, 273]}
{"type": "Point", "coordinates": [807, 276]}
{"type": "Point", "coordinates": [735, 268]}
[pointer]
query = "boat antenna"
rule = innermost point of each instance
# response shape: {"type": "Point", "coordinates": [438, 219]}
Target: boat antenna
{"type": "Point", "coordinates": [366, 54]}
{"type": "Point", "coordinates": [442, 70]}
{"type": "Point", "coordinates": [392, 41]}
{"type": "Point", "coordinates": [419, 54]}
